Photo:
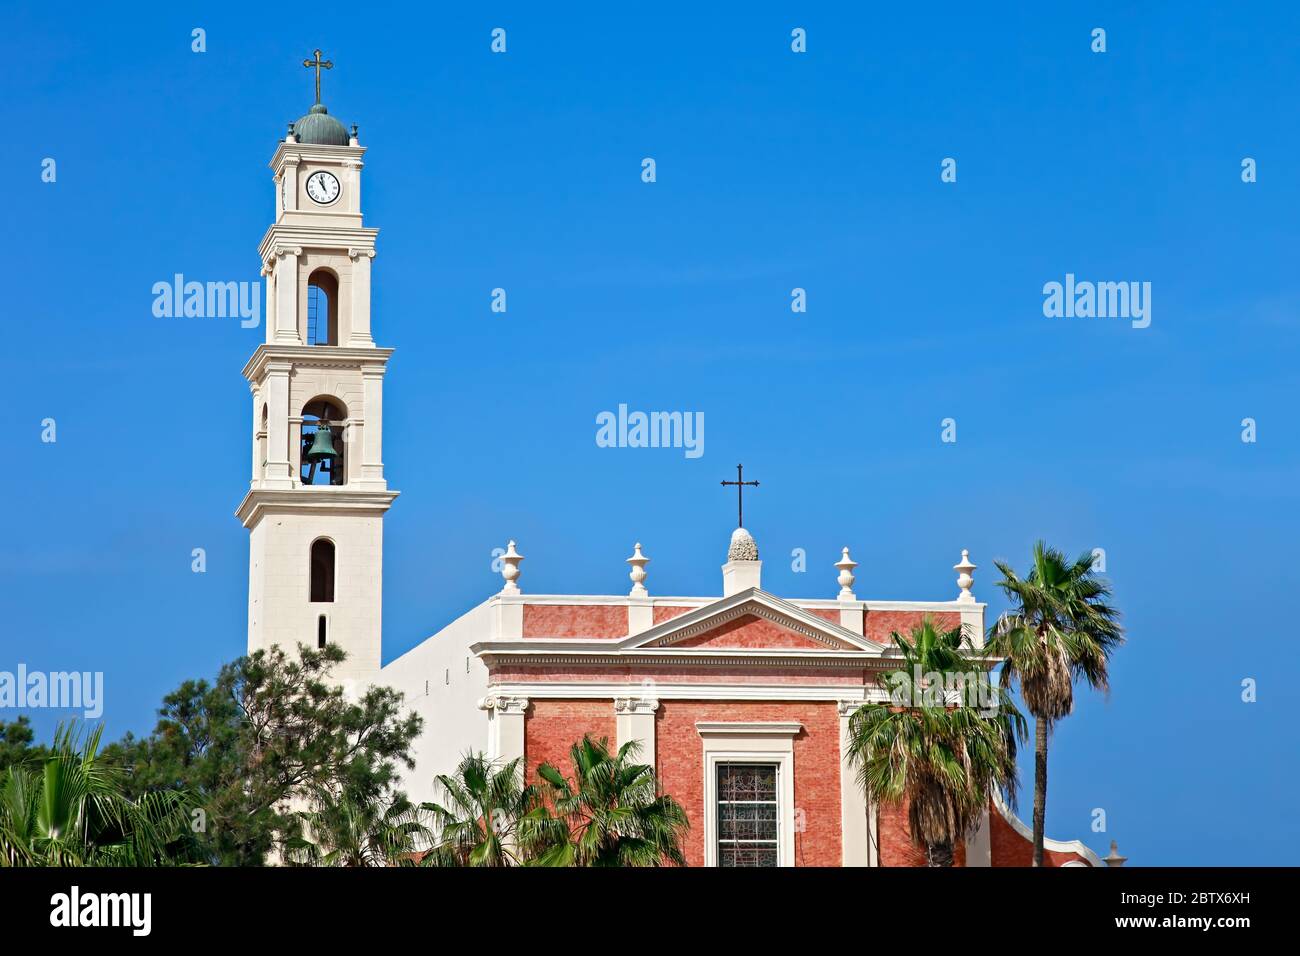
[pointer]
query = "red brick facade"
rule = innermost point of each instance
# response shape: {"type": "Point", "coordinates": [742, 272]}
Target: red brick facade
{"type": "Point", "coordinates": [552, 725]}
{"type": "Point", "coordinates": [896, 846]}
{"type": "Point", "coordinates": [752, 632]}
{"type": "Point", "coordinates": [573, 620]}
{"type": "Point", "coordinates": [878, 625]}
{"type": "Point", "coordinates": [679, 759]}
{"type": "Point", "coordinates": [1009, 848]}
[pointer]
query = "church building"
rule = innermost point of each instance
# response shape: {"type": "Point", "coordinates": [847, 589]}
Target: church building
{"type": "Point", "coordinates": [740, 699]}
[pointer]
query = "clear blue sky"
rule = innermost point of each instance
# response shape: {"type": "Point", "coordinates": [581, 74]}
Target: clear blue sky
{"type": "Point", "coordinates": [775, 170]}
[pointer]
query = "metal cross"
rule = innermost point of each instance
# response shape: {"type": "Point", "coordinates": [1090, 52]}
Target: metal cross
{"type": "Point", "coordinates": [740, 484]}
{"type": "Point", "coordinates": [319, 64]}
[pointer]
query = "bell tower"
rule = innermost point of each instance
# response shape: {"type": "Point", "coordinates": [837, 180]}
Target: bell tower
{"type": "Point", "coordinates": [317, 496]}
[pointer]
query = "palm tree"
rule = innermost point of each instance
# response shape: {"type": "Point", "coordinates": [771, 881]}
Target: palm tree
{"type": "Point", "coordinates": [355, 829]}
{"type": "Point", "coordinates": [610, 814]}
{"type": "Point", "coordinates": [937, 747]}
{"type": "Point", "coordinates": [1059, 629]}
{"type": "Point", "coordinates": [483, 817]}
{"type": "Point", "coordinates": [73, 811]}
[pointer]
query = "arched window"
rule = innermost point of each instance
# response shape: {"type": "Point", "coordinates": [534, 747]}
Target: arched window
{"type": "Point", "coordinates": [322, 570]}
{"type": "Point", "coordinates": [320, 631]}
{"type": "Point", "coordinates": [322, 308]}
{"type": "Point", "coordinates": [323, 458]}
{"type": "Point", "coordinates": [261, 443]}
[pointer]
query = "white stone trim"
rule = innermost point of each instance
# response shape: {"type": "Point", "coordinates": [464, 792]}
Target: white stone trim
{"type": "Point", "coordinates": [640, 616]}
{"type": "Point", "coordinates": [748, 728]}
{"type": "Point", "coordinates": [749, 742]}
{"type": "Point", "coordinates": [1057, 846]}
{"type": "Point", "coordinates": [751, 601]}
{"type": "Point", "coordinates": [325, 499]}
{"type": "Point", "coordinates": [585, 655]}
{"type": "Point", "coordinates": [606, 690]}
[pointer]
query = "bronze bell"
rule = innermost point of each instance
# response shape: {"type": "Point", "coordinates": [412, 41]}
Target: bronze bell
{"type": "Point", "coordinates": [322, 445]}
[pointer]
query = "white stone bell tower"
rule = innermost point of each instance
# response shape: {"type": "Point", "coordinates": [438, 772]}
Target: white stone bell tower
{"type": "Point", "coordinates": [316, 502]}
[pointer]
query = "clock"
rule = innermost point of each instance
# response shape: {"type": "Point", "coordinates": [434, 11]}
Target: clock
{"type": "Point", "coordinates": [322, 187]}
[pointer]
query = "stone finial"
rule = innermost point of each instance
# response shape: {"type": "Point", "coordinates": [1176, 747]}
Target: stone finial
{"type": "Point", "coordinates": [743, 547]}
{"type": "Point", "coordinates": [964, 567]}
{"type": "Point", "coordinates": [637, 574]}
{"type": "Point", "coordinates": [352, 136]}
{"type": "Point", "coordinates": [289, 137]}
{"type": "Point", "coordinates": [1114, 859]}
{"type": "Point", "coordinates": [846, 578]}
{"type": "Point", "coordinates": [510, 569]}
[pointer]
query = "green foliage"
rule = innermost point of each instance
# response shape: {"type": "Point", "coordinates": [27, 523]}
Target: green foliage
{"type": "Point", "coordinates": [270, 729]}
{"type": "Point", "coordinates": [483, 815]}
{"type": "Point", "coordinates": [352, 828]}
{"type": "Point", "coordinates": [1059, 629]}
{"type": "Point", "coordinates": [609, 814]}
{"type": "Point", "coordinates": [16, 744]}
{"type": "Point", "coordinates": [943, 756]}
{"type": "Point", "coordinates": [73, 810]}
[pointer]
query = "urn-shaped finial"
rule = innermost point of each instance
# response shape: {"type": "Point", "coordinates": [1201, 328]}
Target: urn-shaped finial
{"type": "Point", "coordinates": [964, 567]}
{"type": "Point", "coordinates": [510, 569]}
{"type": "Point", "coordinates": [846, 578]}
{"type": "Point", "coordinates": [638, 572]}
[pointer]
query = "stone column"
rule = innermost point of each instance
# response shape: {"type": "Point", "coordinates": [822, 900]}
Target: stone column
{"type": "Point", "coordinates": [268, 316]}
{"type": "Point", "coordinates": [359, 334]}
{"type": "Point", "coordinates": [286, 295]}
{"type": "Point", "coordinates": [372, 434]}
{"type": "Point", "coordinates": [979, 852]}
{"type": "Point", "coordinates": [634, 719]}
{"type": "Point", "coordinates": [856, 816]}
{"type": "Point", "coordinates": [278, 474]}
{"type": "Point", "coordinates": [505, 726]}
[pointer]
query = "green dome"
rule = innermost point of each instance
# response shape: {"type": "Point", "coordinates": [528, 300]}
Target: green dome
{"type": "Point", "coordinates": [320, 129]}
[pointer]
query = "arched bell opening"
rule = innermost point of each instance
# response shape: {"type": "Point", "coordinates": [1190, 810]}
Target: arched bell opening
{"type": "Point", "coordinates": [323, 450]}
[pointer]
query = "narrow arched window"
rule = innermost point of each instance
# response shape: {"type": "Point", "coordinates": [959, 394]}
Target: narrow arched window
{"type": "Point", "coordinates": [322, 570]}
{"type": "Point", "coordinates": [320, 632]}
{"type": "Point", "coordinates": [261, 443]}
{"type": "Point", "coordinates": [322, 309]}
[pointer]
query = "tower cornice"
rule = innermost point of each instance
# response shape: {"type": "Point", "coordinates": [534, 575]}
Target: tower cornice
{"type": "Point", "coordinates": [372, 360]}
{"type": "Point", "coordinates": [319, 499]}
{"type": "Point", "coordinates": [290, 236]}
{"type": "Point", "coordinates": [311, 152]}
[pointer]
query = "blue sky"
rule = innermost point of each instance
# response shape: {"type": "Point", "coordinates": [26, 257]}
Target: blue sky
{"type": "Point", "coordinates": [775, 171]}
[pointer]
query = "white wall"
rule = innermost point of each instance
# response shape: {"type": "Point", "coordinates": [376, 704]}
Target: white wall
{"type": "Point", "coordinates": [280, 610]}
{"type": "Point", "coordinates": [456, 681]}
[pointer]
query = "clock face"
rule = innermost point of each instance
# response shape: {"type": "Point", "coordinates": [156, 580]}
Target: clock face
{"type": "Point", "coordinates": [322, 187]}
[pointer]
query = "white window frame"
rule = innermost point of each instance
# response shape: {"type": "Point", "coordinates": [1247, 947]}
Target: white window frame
{"type": "Point", "coordinates": [750, 742]}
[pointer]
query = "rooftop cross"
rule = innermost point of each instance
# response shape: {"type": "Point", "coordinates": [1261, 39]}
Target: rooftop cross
{"type": "Point", "coordinates": [319, 64]}
{"type": "Point", "coordinates": [740, 484]}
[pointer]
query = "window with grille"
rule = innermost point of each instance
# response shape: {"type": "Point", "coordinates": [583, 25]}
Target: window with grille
{"type": "Point", "coordinates": [748, 815]}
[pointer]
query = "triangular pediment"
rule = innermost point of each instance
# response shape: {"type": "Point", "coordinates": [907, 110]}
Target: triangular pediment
{"type": "Point", "coordinates": [752, 620]}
